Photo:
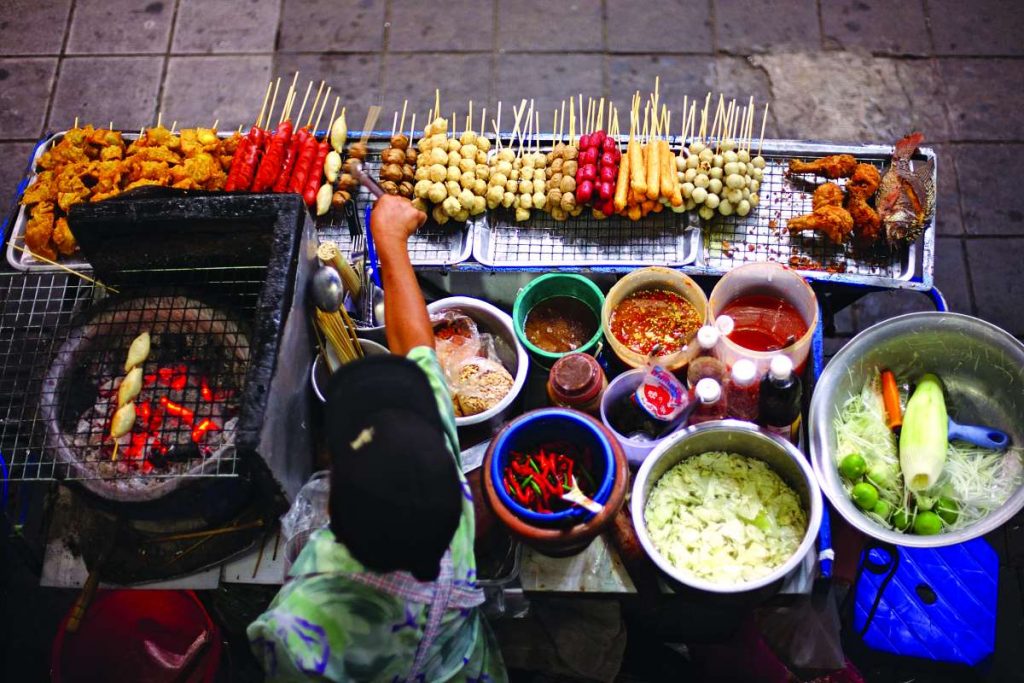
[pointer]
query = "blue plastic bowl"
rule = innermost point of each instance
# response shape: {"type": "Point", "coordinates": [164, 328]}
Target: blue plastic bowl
{"type": "Point", "coordinates": [553, 424]}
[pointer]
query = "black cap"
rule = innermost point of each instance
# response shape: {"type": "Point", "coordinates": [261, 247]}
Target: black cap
{"type": "Point", "coordinates": [396, 498]}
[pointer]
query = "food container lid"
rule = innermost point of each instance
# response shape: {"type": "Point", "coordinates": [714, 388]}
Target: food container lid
{"type": "Point", "coordinates": [576, 376]}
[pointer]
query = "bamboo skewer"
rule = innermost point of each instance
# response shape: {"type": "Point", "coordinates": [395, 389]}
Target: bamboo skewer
{"type": "Point", "coordinates": [764, 120]}
{"type": "Point", "coordinates": [312, 111]}
{"type": "Point", "coordinates": [71, 271]}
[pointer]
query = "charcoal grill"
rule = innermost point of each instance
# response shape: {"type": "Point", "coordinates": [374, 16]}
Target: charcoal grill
{"type": "Point", "coordinates": [213, 280]}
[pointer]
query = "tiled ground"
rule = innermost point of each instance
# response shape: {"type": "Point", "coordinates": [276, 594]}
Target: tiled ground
{"type": "Point", "coordinates": [857, 70]}
{"type": "Point", "coordinates": [861, 70]}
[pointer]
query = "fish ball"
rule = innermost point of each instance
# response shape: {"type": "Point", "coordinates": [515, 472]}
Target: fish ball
{"type": "Point", "coordinates": [508, 199]}
{"type": "Point", "coordinates": [743, 208]}
{"type": "Point", "coordinates": [706, 212]}
{"type": "Point", "coordinates": [730, 157]}
{"type": "Point", "coordinates": [712, 200]}
{"type": "Point", "coordinates": [437, 193]}
{"type": "Point", "coordinates": [699, 194]}
{"type": "Point", "coordinates": [732, 168]}
{"type": "Point", "coordinates": [716, 172]}
{"type": "Point", "coordinates": [725, 207]}
{"type": "Point", "coordinates": [715, 185]}
{"type": "Point", "coordinates": [758, 161]}
{"type": "Point", "coordinates": [702, 180]}
{"type": "Point", "coordinates": [453, 174]}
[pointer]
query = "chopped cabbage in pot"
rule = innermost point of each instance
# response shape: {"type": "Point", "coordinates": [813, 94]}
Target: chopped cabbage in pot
{"type": "Point", "coordinates": [724, 518]}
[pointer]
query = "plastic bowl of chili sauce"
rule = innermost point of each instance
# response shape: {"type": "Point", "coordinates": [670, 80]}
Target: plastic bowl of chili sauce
{"type": "Point", "coordinates": [538, 451]}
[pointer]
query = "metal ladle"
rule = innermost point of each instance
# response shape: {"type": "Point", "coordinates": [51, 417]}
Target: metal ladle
{"type": "Point", "coordinates": [327, 289]}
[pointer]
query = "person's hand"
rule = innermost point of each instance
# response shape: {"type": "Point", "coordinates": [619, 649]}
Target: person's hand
{"type": "Point", "coordinates": [393, 221]}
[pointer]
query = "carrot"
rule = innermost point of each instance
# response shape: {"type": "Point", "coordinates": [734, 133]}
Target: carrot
{"type": "Point", "coordinates": [891, 398]}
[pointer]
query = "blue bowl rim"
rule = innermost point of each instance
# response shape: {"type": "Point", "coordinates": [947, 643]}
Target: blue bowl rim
{"type": "Point", "coordinates": [545, 413]}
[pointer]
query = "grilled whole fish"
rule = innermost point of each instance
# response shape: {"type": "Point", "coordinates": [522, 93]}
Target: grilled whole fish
{"type": "Point", "coordinates": [906, 196]}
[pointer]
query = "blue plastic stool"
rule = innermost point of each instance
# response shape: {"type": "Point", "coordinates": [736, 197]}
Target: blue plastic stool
{"type": "Point", "coordinates": [932, 603]}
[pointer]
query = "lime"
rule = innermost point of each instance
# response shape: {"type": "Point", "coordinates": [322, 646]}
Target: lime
{"type": "Point", "coordinates": [947, 509]}
{"type": "Point", "coordinates": [927, 523]}
{"type": "Point", "coordinates": [901, 520]}
{"type": "Point", "coordinates": [865, 495]}
{"type": "Point", "coordinates": [883, 509]}
{"type": "Point", "coordinates": [853, 466]}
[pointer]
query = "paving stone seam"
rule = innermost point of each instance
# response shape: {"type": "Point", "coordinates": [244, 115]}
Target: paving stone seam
{"type": "Point", "coordinates": [56, 71]}
{"type": "Point", "coordinates": [167, 57]}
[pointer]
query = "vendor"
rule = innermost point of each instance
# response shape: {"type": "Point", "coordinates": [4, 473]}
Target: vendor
{"type": "Point", "coordinates": [388, 592]}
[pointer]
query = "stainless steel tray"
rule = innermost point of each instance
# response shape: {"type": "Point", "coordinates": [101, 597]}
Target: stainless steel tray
{"type": "Point", "coordinates": [21, 260]}
{"type": "Point", "coordinates": [762, 235]}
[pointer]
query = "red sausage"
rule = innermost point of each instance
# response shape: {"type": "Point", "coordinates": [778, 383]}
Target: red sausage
{"type": "Point", "coordinates": [273, 160]}
{"type": "Point", "coordinates": [304, 165]}
{"type": "Point", "coordinates": [315, 174]}
{"type": "Point", "coordinates": [290, 156]}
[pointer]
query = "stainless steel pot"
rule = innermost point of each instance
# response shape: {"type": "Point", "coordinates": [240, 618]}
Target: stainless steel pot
{"type": "Point", "coordinates": [982, 370]}
{"type": "Point", "coordinates": [745, 439]}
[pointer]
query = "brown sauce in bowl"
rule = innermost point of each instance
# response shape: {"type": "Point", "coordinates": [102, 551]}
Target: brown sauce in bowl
{"type": "Point", "coordinates": [560, 324]}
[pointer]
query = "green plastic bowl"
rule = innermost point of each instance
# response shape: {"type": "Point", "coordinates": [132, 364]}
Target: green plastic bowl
{"type": "Point", "coordinates": [549, 286]}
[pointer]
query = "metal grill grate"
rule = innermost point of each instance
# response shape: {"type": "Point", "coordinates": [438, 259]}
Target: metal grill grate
{"type": "Point", "coordinates": [42, 312]}
{"type": "Point", "coordinates": [658, 239]}
{"type": "Point", "coordinates": [432, 245]}
{"type": "Point", "coordinates": [762, 235]}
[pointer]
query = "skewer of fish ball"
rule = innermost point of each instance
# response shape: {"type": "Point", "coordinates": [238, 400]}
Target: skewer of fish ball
{"type": "Point", "coordinates": [130, 387]}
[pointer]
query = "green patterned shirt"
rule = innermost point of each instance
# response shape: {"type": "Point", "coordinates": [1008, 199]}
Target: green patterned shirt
{"type": "Point", "coordinates": [325, 626]}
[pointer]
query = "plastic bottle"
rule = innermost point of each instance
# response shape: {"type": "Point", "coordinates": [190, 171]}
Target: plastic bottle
{"type": "Point", "coordinates": [658, 406]}
{"type": "Point", "coordinates": [710, 402]}
{"type": "Point", "coordinates": [706, 364]}
{"type": "Point", "coordinates": [743, 391]}
{"type": "Point", "coordinates": [577, 381]}
{"type": "Point", "coordinates": [779, 403]}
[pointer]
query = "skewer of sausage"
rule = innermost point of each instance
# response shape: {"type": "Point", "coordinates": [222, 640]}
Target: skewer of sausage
{"type": "Point", "coordinates": [317, 169]}
{"type": "Point", "coordinates": [247, 154]}
{"type": "Point", "coordinates": [298, 143]}
{"type": "Point", "coordinates": [304, 165]}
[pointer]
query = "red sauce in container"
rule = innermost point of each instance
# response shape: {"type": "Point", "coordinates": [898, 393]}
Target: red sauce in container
{"type": "Point", "coordinates": [764, 323]}
{"type": "Point", "coordinates": [650, 317]}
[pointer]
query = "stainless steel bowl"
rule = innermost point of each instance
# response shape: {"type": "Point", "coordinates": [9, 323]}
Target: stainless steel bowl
{"type": "Point", "coordinates": [982, 369]}
{"type": "Point", "coordinates": [744, 439]}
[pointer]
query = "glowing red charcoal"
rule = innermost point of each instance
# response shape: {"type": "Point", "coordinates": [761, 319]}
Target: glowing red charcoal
{"type": "Point", "coordinates": [200, 430]}
{"type": "Point", "coordinates": [179, 411]}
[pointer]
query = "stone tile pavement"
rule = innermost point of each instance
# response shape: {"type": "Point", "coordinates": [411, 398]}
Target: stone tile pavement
{"type": "Point", "coordinates": [843, 70]}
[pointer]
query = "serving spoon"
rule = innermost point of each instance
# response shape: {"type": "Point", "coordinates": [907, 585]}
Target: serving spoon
{"type": "Point", "coordinates": [575, 496]}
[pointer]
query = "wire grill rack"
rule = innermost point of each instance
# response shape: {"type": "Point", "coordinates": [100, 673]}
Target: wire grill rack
{"type": "Point", "coordinates": [762, 235]}
{"type": "Point", "coordinates": [40, 312]}
{"type": "Point", "coordinates": [432, 245]}
{"type": "Point", "coordinates": [658, 239]}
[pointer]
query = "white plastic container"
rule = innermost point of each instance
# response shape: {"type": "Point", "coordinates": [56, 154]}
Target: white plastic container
{"type": "Point", "coordinates": [768, 279]}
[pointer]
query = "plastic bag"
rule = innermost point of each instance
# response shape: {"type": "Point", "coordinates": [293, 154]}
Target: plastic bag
{"type": "Point", "coordinates": [307, 514]}
{"type": "Point", "coordinates": [476, 377]}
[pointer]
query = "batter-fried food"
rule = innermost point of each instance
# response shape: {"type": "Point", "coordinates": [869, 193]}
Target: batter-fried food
{"type": "Point", "coordinates": [39, 230]}
{"type": "Point", "coordinates": [93, 164]}
{"type": "Point", "coordinates": [834, 221]}
{"type": "Point", "coordinates": [63, 238]}
{"type": "Point", "coordinates": [833, 166]}
{"type": "Point", "coordinates": [867, 225]}
{"type": "Point", "coordinates": [864, 181]}
{"type": "Point", "coordinates": [827, 194]}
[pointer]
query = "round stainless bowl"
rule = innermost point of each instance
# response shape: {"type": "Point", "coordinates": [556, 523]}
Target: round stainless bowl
{"type": "Point", "coordinates": [982, 370]}
{"type": "Point", "coordinates": [744, 439]}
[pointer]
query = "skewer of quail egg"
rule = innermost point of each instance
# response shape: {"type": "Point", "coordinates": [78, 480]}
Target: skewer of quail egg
{"type": "Point", "coordinates": [722, 178]}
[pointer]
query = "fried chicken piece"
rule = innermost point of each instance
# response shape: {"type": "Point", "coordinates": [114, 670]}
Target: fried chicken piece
{"type": "Point", "coordinates": [63, 153]}
{"type": "Point", "coordinates": [156, 154]}
{"type": "Point", "coordinates": [835, 221]}
{"type": "Point", "coordinates": [834, 166]}
{"type": "Point", "coordinates": [112, 153]}
{"type": "Point", "coordinates": [43, 189]}
{"type": "Point", "coordinates": [867, 224]}
{"type": "Point", "coordinates": [63, 239]}
{"type": "Point", "coordinates": [864, 181]}
{"type": "Point", "coordinates": [39, 230]}
{"type": "Point", "coordinates": [827, 194]}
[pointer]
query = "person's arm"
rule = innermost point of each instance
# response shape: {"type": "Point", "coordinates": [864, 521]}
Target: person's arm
{"type": "Point", "coordinates": [393, 221]}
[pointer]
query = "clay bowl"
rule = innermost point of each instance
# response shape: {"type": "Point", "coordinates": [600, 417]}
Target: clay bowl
{"type": "Point", "coordinates": [563, 533]}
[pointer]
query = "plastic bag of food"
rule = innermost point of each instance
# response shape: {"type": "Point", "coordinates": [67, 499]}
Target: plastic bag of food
{"type": "Point", "coordinates": [456, 339]}
{"type": "Point", "coordinates": [479, 384]}
{"type": "Point", "coordinates": [476, 377]}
